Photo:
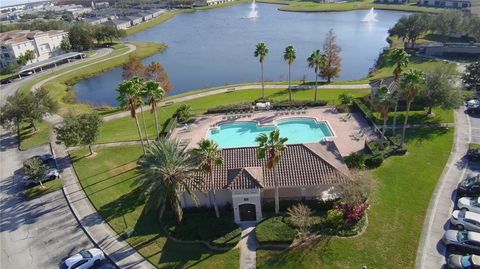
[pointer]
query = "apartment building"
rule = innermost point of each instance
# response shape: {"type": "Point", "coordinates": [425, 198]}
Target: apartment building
{"type": "Point", "coordinates": [13, 44]}
{"type": "Point", "coordinates": [459, 4]}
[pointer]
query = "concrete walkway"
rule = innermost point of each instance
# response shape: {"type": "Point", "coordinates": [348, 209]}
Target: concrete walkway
{"type": "Point", "coordinates": [248, 247]}
{"type": "Point", "coordinates": [431, 251]}
{"type": "Point", "coordinates": [234, 89]}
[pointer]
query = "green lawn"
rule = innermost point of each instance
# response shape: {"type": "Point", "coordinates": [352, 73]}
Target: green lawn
{"type": "Point", "coordinates": [30, 139]}
{"type": "Point", "coordinates": [386, 70]}
{"type": "Point", "coordinates": [124, 129]}
{"type": "Point", "coordinates": [396, 216]}
{"type": "Point", "coordinates": [310, 6]}
{"type": "Point", "coordinates": [419, 117]}
{"type": "Point", "coordinates": [38, 191]}
{"type": "Point", "coordinates": [109, 180]}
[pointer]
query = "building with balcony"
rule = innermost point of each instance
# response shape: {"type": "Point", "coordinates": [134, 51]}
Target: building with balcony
{"type": "Point", "coordinates": [13, 44]}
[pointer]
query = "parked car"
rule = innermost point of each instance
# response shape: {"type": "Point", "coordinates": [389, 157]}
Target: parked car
{"type": "Point", "coordinates": [462, 240]}
{"type": "Point", "coordinates": [470, 185]}
{"type": "Point", "coordinates": [473, 154]}
{"type": "Point", "coordinates": [26, 73]}
{"type": "Point", "coordinates": [472, 105]}
{"type": "Point", "coordinates": [84, 259]}
{"type": "Point", "coordinates": [455, 261]}
{"type": "Point", "coordinates": [469, 203]}
{"type": "Point", "coordinates": [51, 174]}
{"type": "Point", "coordinates": [466, 220]}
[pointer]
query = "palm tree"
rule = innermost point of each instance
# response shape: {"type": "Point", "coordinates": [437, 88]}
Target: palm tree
{"type": "Point", "coordinates": [183, 113]}
{"type": "Point", "coordinates": [289, 56]}
{"type": "Point", "coordinates": [128, 98]}
{"type": "Point", "coordinates": [382, 101]}
{"type": "Point", "coordinates": [272, 147]}
{"type": "Point", "coordinates": [141, 94]}
{"type": "Point", "coordinates": [155, 93]}
{"type": "Point", "coordinates": [261, 51]}
{"type": "Point", "coordinates": [411, 85]}
{"type": "Point", "coordinates": [167, 170]}
{"type": "Point", "coordinates": [315, 61]}
{"type": "Point", "coordinates": [400, 59]}
{"type": "Point", "coordinates": [208, 153]}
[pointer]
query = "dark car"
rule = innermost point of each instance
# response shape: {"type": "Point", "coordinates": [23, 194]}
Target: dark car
{"type": "Point", "coordinates": [473, 106]}
{"type": "Point", "coordinates": [473, 155]}
{"type": "Point", "coordinates": [470, 185]}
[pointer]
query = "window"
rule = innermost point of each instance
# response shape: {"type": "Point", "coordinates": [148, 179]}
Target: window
{"type": "Point", "coordinates": [79, 263]}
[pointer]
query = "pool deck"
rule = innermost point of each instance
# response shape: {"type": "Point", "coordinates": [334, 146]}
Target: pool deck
{"type": "Point", "coordinates": [343, 129]}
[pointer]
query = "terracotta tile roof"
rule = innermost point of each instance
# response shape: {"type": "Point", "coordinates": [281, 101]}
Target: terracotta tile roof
{"type": "Point", "coordinates": [301, 165]}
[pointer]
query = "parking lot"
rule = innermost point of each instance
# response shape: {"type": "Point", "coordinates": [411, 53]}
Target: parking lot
{"type": "Point", "coordinates": [39, 233]}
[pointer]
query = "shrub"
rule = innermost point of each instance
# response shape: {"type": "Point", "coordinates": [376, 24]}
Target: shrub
{"type": "Point", "coordinates": [358, 189]}
{"type": "Point", "coordinates": [374, 161]}
{"type": "Point", "coordinates": [69, 97]}
{"type": "Point", "coordinates": [262, 100]}
{"type": "Point", "coordinates": [353, 213]}
{"type": "Point", "coordinates": [335, 218]}
{"type": "Point", "coordinates": [342, 108]}
{"type": "Point", "coordinates": [345, 98]}
{"type": "Point", "coordinates": [228, 108]}
{"type": "Point", "coordinates": [355, 160]}
{"type": "Point", "coordinates": [300, 216]}
{"type": "Point", "coordinates": [298, 103]}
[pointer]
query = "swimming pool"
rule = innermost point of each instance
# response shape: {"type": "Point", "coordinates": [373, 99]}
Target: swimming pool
{"type": "Point", "coordinates": [243, 134]}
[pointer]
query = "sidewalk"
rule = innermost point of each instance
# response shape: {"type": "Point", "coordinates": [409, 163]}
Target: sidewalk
{"type": "Point", "coordinates": [431, 251]}
{"type": "Point", "coordinates": [248, 248]}
{"type": "Point", "coordinates": [121, 253]}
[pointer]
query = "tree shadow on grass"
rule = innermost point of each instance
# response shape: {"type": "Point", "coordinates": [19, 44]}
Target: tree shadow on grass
{"type": "Point", "coordinates": [124, 205]}
{"type": "Point", "coordinates": [295, 255]}
{"type": "Point", "coordinates": [422, 134]}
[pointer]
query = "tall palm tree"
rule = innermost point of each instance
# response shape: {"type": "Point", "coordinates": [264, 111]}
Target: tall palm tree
{"type": "Point", "coordinates": [155, 93]}
{"type": "Point", "coordinates": [382, 101]}
{"type": "Point", "coordinates": [271, 147]}
{"type": "Point", "coordinates": [128, 98]}
{"type": "Point", "coordinates": [400, 59]}
{"type": "Point", "coordinates": [261, 52]}
{"type": "Point", "coordinates": [208, 153]}
{"type": "Point", "coordinates": [289, 56]}
{"type": "Point", "coordinates": [411, 84]}
{"type": "Point", "coordinates": [167, 170]}
{"type": "Point", "coordinates": [141, 94]}
{"type": "Point", "coordinates": [315, 61]}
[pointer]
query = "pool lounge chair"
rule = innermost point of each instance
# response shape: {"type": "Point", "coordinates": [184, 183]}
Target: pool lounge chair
{"type": "Point", "coordinates": [346, 117]}
{"type": "Point", "coordinates": [184, 142]}
{"type": "Point", "coordinates": [358, 135]}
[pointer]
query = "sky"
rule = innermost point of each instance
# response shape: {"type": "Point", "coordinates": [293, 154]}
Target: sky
{"type": "Point", "coordinates": [15, 2]}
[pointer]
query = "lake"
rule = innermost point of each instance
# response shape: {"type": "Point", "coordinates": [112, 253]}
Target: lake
{"type": "Point", "coordinates": [215, 47]}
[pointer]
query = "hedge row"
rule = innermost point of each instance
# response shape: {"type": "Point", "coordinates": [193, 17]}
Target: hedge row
{"type": "Point", "coordinates": [275, 104]}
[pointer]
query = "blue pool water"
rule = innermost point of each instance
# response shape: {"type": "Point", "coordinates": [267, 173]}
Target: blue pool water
{"type": "Point", "coordinates": [243, 134]}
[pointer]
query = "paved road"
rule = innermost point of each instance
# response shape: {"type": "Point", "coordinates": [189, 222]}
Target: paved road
{"type": "Point", "coordinates": [37, 233]}
{"type": "Point", "coordinates": [42, 232]}
{"type": "Point", "coordinates": [9, 89]}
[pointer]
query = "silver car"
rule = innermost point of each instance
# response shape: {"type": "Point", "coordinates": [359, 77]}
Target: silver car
{"type": "Point", "coordinates": [462, 240]}
{"type": "Point", "coordinates": [469, 204]}
{"type": "Point", "coordinates": [455, 261]}
{"type": "Point", "coordinates": [466, 220]}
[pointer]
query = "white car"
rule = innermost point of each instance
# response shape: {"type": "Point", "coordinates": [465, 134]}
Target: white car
{"type": "Point", "coordinates": [84, 259]}
{"type": "Point", "coordinates": [469, 204]}
{"type": "Point", "coordinates": [466, 220]}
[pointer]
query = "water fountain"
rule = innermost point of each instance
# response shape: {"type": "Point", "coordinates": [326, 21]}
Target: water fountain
{"type": "Point", "coordinates": [371, 16]}
{"type": "Point", "coordinates": [253, 11]}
